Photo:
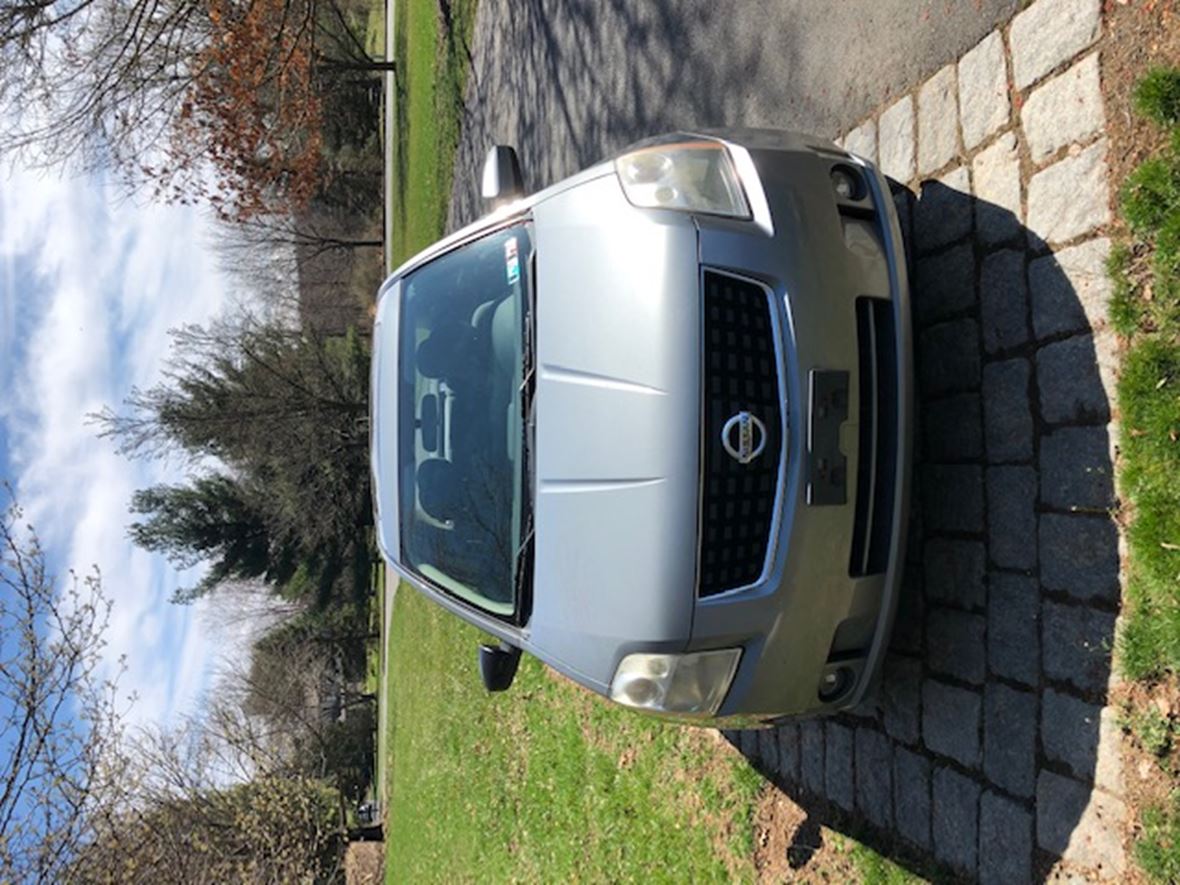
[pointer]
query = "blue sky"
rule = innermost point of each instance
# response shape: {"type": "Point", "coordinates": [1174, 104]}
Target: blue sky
{"type": "Point", "coordinates": [90, 283]}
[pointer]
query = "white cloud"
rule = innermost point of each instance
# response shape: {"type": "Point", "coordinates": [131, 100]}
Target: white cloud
{"type": "Point", "coordinates": [91, 282]}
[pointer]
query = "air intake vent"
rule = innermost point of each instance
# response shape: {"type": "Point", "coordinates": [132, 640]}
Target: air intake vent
{"type": "Point", "coordinates": [877, 450]}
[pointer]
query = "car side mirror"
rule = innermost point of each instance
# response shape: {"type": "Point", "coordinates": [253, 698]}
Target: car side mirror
{"type": "Point", "coordinates": [497, 666]}
{"type": "Point", "coordinates": [502, 181]}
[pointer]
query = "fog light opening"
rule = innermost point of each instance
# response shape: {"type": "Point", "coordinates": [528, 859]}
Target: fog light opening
{"type": "Point", "coordinates": [834, 684]}
{"type": "Point", "coordinates": [847, 184]}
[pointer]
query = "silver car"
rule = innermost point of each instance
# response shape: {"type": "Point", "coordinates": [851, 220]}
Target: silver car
{"type": "Point", "coordinates": [652, 425]}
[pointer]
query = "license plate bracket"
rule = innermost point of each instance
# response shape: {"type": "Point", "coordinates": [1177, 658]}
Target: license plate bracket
{"type": "Point", "coordinates": [827, 468]}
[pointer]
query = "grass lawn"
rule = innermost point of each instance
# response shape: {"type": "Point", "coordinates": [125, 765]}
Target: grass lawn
{"type": "Point", "coordinates": [1145, 309]}
{"type": "Point", "coordinates": [373, 667]}
{"type": "Point", "coordinates": [428, 112]}
{"type": "Point", "coordinates": [545, 782]}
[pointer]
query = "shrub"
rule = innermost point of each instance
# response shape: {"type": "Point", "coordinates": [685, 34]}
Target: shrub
{"type": "Point", "coordinates": [1126, 312]}
{"type": "Point", "coordinates": [1158, 849]}
{"type": "Point", "coordinates": [1157, 96]}
{"type": "Point", "coordinates": [1151, 194]}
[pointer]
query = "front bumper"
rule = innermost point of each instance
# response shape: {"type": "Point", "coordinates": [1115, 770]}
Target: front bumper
{"type": "Point", "coordinates": [812, 612]}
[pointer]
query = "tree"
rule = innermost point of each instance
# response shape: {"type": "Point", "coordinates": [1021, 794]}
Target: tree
{"type": "Point", "coordinates": [97, 81]}
{"type": "Point", "coordinates": [305, 266]}
{"type": "Point", "coordinates": [253, 111]}
{"type": "Point", "coordinates": [268, 829]}
{"type": "Point", "coordinates": [60, 719]}
{"type": "Point", "coordinates": [214, 99]}
{"type": "Point", "coordinates": [312, 706]}
{"type": "Point", "coordinates": [219, 798]}
{"type": "Point", "coordinates": [308, 234]}
{"type": "Point", "coordinates": [214, 520]}
{"type": "Point", "coordinates": [229, 795]}
{"type": "Point", "coordinates": [287, 413]}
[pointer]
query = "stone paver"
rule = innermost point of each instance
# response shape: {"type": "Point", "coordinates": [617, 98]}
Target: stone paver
{"type": "Point", "coordinates": [748, 743]}
{"type": "Point", "coordinates": [945, 283]}
{"type": "Point", "coordinates": [838, 784]}
{"type": "Point", "coordinates": [995, 174]}
{"type": "Point", "coordinates": [1108, 769]}
{"type": "Point", "coordinates": [1106, 352]}
{"type": "Point", "coordinates": [1071, 388]}
{"type": "Point", "coordinates": [954, 428]}
{"type": "Point", "coordinates": [955, 572]}
{"type": "Point", "coordinates": [1010, 738]}
{"type": "Point", "coordinates": [952, 497]}
{"type": "Point", "coordinates": [1079, 555]}
{"type": "Point", "coordinates": [895, 140]}
{"type": "Point", "coordinates": [950, 721]}
{"type": "Point", "coordinates": [788, 752]}
{"type": "Point", "coordinates": [768, 749]}
{"type": "Point", "coordinates": [1012, 517]}
{"type": "Point", "coordinates": [950, 357]}
{"type": "Point", "coordinates": [1076, 473]}
{"type": "Point", "coordinates": [900, 698]}
{"type": "Point", "coordinates": [903, 201]}
{"type": "Point", "coordinates": [1049, 33]}
{"type": "Point", "coordinates": [1076, 645]}
{"type": "Point", "coordinates": [944, 210]}
{"type": "Point", "coordinates": [911, 608]}
{"type": "Point", "coordinates": [984, 105]}
{"type": "Point", "coordinates": [1080, 824]}
{"type": "Point", "coordinates": [1070, 289]}
{"type": "Point", "coordinates": [938, 121]}
{"type": "Point", "coordinates": [1069, 198]}
{"type": "Point", "coordinates": [874, 788]}
{"type": "Point", "coordinates": [1005, 841]}
{"type": "Point", "coordinates": [811, 757]}
{"type": "Point", "coordinates": [862, 140]}
{"type": "Point", "coordinates": [1065, 110]}
{"type": "Point", "coordinates": [911, 796]}
{"type": "Point", "coordinates": [1069, 731]}
{"type": "Point", "coordinates": [1013, 628]}
{"type": "Point", "coordinates": [1007, 416]}
{"type": "Point", "coordinates": [955, 819]}
{"type": "Point", "coordinates": [955, 644]}
{"type": "Point", "coordinates": [1003, 301]}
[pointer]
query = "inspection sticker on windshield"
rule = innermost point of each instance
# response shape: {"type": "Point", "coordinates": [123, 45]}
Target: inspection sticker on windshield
{"type": "Point", "coordinates": [511, 261]}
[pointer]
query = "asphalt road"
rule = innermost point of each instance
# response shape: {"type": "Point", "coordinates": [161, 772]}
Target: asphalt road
{"type": "Point", "coordinates": [570, 81]}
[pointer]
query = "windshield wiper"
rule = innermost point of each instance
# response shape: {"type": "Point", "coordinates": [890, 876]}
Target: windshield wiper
{"type": "Point", "coordinates": [528, 324]}
{"type": "Point", "coordinates": [522, 567]}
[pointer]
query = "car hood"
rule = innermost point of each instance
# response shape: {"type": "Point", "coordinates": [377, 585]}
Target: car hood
{"type": "Point", "coordinates": [617, 430]}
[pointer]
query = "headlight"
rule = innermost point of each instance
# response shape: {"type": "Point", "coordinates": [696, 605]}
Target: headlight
{"type": "Point", "coordinates": [696, 176]}
{"type": "Point", "coordinates": [691, 683]}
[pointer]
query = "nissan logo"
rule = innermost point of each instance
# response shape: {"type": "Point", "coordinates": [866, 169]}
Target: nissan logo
{"type": "Point", "coordinates": [744, 437]}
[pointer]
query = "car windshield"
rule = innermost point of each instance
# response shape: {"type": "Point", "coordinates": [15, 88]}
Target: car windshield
{"type": "Point", "coordinates": [461, 372]}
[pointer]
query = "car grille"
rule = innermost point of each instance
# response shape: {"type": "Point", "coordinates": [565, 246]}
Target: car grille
{"type": "Point", "coordinates": [740, 374]}
{"type": "Point", "coordinates": [872, 527]}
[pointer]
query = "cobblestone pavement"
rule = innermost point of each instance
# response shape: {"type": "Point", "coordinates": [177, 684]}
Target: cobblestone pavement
{"type": "Point", "coordinates": [990, 748]}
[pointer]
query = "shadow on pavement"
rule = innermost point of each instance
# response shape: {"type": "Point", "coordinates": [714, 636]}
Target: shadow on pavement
{"type": "Point", "coordinates": [980, 751]}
